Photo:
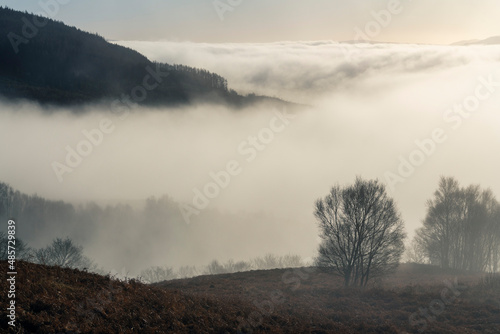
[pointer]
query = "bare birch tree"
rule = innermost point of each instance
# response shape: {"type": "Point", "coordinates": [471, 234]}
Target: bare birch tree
{"type": "Point", "coordinates": [362, 232]}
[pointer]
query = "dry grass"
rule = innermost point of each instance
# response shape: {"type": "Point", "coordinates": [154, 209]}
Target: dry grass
{"type": "Point", "coordinates": [55, 300]}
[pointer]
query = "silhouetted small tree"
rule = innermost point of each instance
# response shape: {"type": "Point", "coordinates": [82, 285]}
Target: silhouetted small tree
{"type": "Point", "coordinates": [415, 252]}
{"type": "Point", "coordinates": [187, 271]}
{"type": "Point", "coordinates": [63, 253]}
{"type": "Point", "coordinates": [291, 261]}
{"type": "Point", "coordinates": [215, 268]}
{"type": "Point", "coordinates": [158, 274]}
{"type": "Point", "coordinates": [233, 267]}
{"type": "Point", "coordinates": [23, 252]}
{"type": "Point", "coordinates": [268, 261]}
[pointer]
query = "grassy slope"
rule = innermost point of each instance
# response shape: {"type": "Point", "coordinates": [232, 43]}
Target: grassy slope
{"type": "Point", "coordinates": [51, 300]}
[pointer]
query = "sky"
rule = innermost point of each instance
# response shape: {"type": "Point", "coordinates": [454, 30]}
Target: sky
{"type": "Point", "coordinates": [423, 21]}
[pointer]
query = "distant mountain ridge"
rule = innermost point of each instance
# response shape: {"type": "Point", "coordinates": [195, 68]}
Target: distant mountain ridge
{"type": "Point", "coordinates": [49, 62]}
{"type": "Point", "coordinates": [488, 41]}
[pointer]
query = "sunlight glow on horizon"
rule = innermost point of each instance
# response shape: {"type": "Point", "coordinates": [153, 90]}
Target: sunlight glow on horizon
{"type": "Point", "coordinates": [392, 21]}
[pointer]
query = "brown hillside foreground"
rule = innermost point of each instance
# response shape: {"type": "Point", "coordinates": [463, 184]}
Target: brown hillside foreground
{"type": "Point", "coordinates": [55, 300]}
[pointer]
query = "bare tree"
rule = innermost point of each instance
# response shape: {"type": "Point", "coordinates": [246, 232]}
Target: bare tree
{"type": "Point", "coordinates": [23, 252]}
{"type": "Point", "coordinates": [462, 228]}
{"type": "Point", "coordinates": [291, 261]}
{"type": "Point", "coordinates": [63, 253]}
{"type": "Point", "coordinates": [233, 267]}
{"type": "Point", "coordinates": [415, 252]}
{"type": "Point", "coordinates": [187, 271]}
{"type": "Point", "coordinates": [158, 274]}
{"type": "Point", "coordinates": [268, 261]}
{"type": "Point", "coordinates": [215, 268]}
{"type": "Point", "coordinates": [361, 230]}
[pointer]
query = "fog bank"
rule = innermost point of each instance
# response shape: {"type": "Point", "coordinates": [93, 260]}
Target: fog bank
{"type": "Point", "coordinates": [368, 111]}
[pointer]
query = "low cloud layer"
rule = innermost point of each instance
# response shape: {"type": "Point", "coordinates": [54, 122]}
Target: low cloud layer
{"type": "Point", "coordinates": [368, 114]}
{"type": "Point", "coordinates": [305, 71]}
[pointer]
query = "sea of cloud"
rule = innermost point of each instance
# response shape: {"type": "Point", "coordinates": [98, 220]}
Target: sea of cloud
{"type": "Point", "coordinates": [369, 104]}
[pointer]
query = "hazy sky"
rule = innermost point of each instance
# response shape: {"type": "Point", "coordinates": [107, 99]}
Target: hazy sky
{"type": "Point", "coordinates": [423, 21]}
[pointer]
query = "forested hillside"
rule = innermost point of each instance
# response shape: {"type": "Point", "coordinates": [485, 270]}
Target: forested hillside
{"type": "Point", "coordinates": [140, 234]}
{"type": "Point", "coordinates": [49, 62]}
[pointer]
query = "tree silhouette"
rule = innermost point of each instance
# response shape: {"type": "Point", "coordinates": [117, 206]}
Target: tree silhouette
{"type": "Point", "coordinates": [361, 230]}
{"type": "Point", "coordinates": [63, 253]}
{"type": "Point", "coordinates": [23, 252]}
{"type": "Point", "coordinates": [462, 228]}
